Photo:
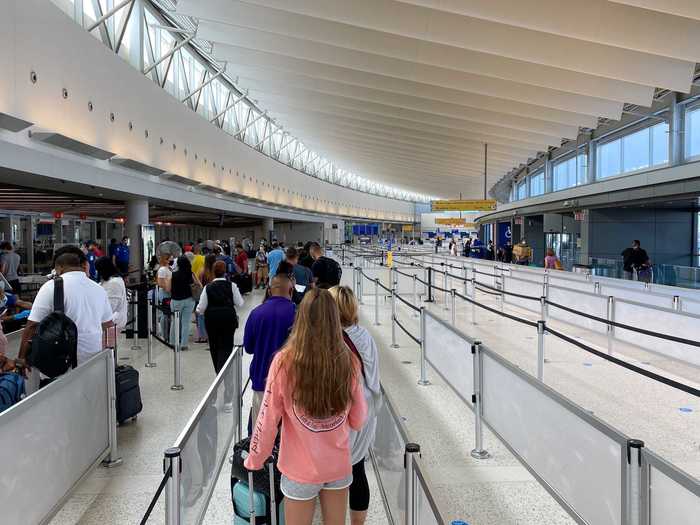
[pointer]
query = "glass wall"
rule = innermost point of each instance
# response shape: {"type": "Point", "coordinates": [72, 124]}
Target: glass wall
{"type": "Point", "coordinates": [537, 183]}
{"type": "Point", "coordinates": [642, 149]}
{"type": "Point", "coordinates": [569, 173]}
{"type": "Point", "coordinates": [692, 133]}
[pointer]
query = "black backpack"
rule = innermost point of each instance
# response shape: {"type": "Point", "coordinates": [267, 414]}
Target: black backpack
{"type": "Point", "coordinates": [55, 344]}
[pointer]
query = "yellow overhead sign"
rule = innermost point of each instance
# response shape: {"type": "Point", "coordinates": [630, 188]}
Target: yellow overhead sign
{"type": "Point", "coordinates": [464, 205]}
{"type": "Point", "coordinates": [454, 221]}
{"type": "Point", "coordinates": [407, 227]}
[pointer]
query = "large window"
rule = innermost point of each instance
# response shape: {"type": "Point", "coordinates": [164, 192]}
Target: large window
{"type": "Point", "coordinates": [639, 150]}
{"type": "Point", "coordinates": [692, 133]}
{"type": "Point", "coordinates": [521, 192]}
{"type": "Point", "coordinates": [569, 173]}
{"type": "Point", "coordinates": [537, 184]}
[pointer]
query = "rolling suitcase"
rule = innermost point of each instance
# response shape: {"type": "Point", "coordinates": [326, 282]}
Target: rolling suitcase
{"type": "Point", "coordinates": [263, 504]}
{"type": "Point", "coordinates": [126, 382]}
{"type": "Point", "coordinates": [244, 281]}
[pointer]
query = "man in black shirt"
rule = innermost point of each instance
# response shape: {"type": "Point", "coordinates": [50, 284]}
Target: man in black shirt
{"type": "Point", "coordinates": [634, 258]}
{"type": "Point", "coordinates": [326, 271]}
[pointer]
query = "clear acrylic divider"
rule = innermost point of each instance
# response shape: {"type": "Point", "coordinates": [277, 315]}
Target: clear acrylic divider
{"type": "Point", "coordinates": [377, 272]}
{"type": "Point", "coordinates": [522, 287]}
{"type": "Point", "coordinates": [426, 510]}
{"type": "Point", "coordinates": [584, 302]}
{"type": "Point", "coordinates": [206, 441]}
{"type": "Point", "coordinates": [404, 285]}
{"type": "Point", "coordinates": [662, 320]}
{"type": "Point", "coordinates": [448, 351]}
{"type": "Point", "coordinates": [670, 496]}
{"type": "Point", "coordinates": [52, 438]}
{"type": "Point", "coordinates": [577, 457]}
{"type": "Point", "coordinates": [388, 460]}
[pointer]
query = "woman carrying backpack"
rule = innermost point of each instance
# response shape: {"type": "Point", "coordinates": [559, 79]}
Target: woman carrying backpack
{"type": "Point", "coordinates": [362, 344]}
{"type": "Point", "coordinates": [314, 388]}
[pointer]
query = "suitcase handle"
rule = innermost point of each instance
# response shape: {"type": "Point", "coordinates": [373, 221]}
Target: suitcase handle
{"type": "Point", "coordinates": [273, 496]}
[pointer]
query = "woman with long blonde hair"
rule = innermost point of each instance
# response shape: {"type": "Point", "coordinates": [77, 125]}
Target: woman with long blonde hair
{"type": "Point", "coordinates": [314, 388]}
{"type": "Point", "coordinates": [363, 345]}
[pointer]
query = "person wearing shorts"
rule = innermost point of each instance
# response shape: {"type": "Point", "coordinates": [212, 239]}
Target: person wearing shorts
{"type": "Point", "coordinates": [316, 413]}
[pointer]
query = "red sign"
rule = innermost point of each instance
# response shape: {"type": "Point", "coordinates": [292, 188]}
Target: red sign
{"type": "Point", "coordinates": [58, 215]}
{"type": "Point", "coordinates": [83, 216]}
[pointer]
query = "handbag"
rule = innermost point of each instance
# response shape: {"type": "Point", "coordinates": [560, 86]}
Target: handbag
{"type": "Point", "coordinates": [196, 289]}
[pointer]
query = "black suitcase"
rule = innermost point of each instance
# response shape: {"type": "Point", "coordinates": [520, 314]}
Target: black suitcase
{"type": "Point", "coordinates": [128, 393]}
{"type": "Point", "coordinates": [244, 281]}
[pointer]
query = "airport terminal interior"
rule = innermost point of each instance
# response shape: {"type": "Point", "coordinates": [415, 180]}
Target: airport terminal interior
{"type": "Point", "coordinates": [405, 262]}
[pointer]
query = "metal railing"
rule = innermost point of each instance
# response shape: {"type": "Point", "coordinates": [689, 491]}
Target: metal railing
{"type": "Point", "coordinates": [54, 438]}
{"type": "Point", "coordinates": [400, 473]}
{"type": "Point", "coordinates": [193, 463]}
{"type": "Point", "coordinates": [444, 347]}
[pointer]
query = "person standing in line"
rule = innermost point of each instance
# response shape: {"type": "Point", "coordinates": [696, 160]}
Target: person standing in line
{"type": "Point", "coordinates": [634, 259]}
{"type": "Point", "coordinates": [120, 256]}
{"type": "Point", "coordinates": [9, 266]}
{"type": "Point", "coordinates": [305, 258]}
{"type": "Point", "coordinates": [113, 284]}
{"type": "Point", "coordinates": [85, 303]}
{"type": "Point", "coordinates": [206, 276]}
{"type": "Point", "coordinates": [326, 271]}
{"type": "Point", "coordinates": [111, 247]}
{"type": "Point", "coordinates": [92, 259]}
{"type": "Point", "coordinates": [266, 330]}
{"type": "Point", "coordinates": [181, 299]}
{"type": "Point", "coordinates": [363, 345]}
{"type": "Point", "coordinates": [241, 259]}
{"type": "Point", "coordinates": [261, 267]}
{"type": "Point", "coordinates": [198, 261]}
{"type": "Point", "coordinates": [302, 274]}
{"type": "Point", "coordinates": [217, 305]}
{"type": "Point", "coordinates": [274, 258]}
{"type": "Point", "coordinates": [315, 391]}
{"type": "Point", "coordinates": [551, 261]}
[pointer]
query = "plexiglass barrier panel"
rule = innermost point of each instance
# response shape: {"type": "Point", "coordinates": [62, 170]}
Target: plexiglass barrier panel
{"type": "Point", "coordinates": [51, 439]}
{"type": "Point", "coordinates": [522, 287]}
{"type": "Point", "coordinates": [423, 510]}
{"type": "Point", "coordinates": [575, 457]}
{"type": "Point", "coordinates": [388, 455]}
{"type": "Point", "coordinates": [584, 302]}
{"type": "Point", "coordinates": [449, 353]}
{"type": "Point", "coordinates": [674, 496]}
{"type": "Point", "coordinates": [207, 445]}
{"type": "Point", "coordinates": [556, 279]}
{"type": "Point", "coordinates": [377, 272]}
{"type": "Point", "coordinates": [641, 296]}
{"type": "Point", "coordinates": [663, 321]}
{"type": "Point", "coordinates": [404, 285]}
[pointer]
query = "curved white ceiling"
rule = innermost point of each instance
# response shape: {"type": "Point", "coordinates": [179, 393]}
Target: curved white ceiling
{"type": "Point", "coordinates": [408, 92]}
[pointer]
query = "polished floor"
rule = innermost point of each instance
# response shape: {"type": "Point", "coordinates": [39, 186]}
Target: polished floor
{"type": "Point", "coordinates": [120, 495]}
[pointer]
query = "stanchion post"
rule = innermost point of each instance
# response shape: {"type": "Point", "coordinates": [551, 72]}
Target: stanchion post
{"type": "Point", "coordinates": [541, 326]}
{"type": "Point", "coordinates": [478, 452]}
{"type": "Point", "coordinates": [453, 300]}
{"type": "Point", "coordinates": [635, 482]}
{"type": "Point", "coordinates": [473, 300]}
{"type": "Point", "coordinates": [596, 287]}
{"type": "Point", "coordinates": [677, 303]}
{"type": "Point", "coordinates": [238, 389]}
{"type": "Point", "coordinates": [415, 292]}
{"type": "Point", "coordinates": [394, 344]}
{"type": "Point", "coordinates": [429, 279]}
{"type": "Point", "coordinates": [172, 460]}
{"type": "Point", "coordinates": [445, 286]}
{"type": "Point", "coordinates": [543, 308]}
{"type": "Point", "coordinates": [376, 301]}
{"type": "Point", "coordinates": [113, 459]}
{"type": "Point", "coordinates": [610, 328]}
{"type": "Point", "coordinates": [412, 449]}
{"type": "Point", "coordinates": [423, 381]}
{"type": "Point", "coordinates": [466, 278]}
{"type": "Point", "coordinates": [150, 306]}
{"type": "Point", "coordinates": [177, 372]}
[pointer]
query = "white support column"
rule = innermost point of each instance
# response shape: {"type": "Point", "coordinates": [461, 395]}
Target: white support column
{"type": "Point", "coordinates": [136, 216]}
{"type": "Point", "coordinates": [675, 131]}
{"type": "Point", "coordinates": [268, 228]}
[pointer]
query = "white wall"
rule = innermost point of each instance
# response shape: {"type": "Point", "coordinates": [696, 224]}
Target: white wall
{"type": "Point", "coordinates": [36, 36]}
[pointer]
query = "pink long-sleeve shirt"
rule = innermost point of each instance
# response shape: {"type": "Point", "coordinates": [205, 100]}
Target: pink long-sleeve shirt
{"type": "Point", "coordinates": [311, 450]}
